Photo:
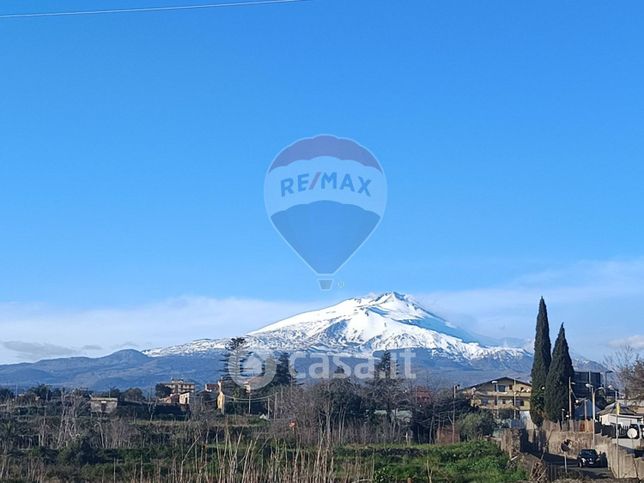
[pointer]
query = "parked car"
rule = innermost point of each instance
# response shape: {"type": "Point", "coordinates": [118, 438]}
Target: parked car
{"type": "Point", "coordinates": [589, 457]}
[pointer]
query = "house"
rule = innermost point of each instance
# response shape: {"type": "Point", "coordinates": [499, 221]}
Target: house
{"type": "Point", "coordinates": [181, 392]}
{"type": "Point", "coordinates": [171, 399]}
{"type": "Point", "coordinates": [179, 386]}
{"type": "Point", "coordinates": [103, 405]}
{"type": "Point", "coordinates": [618, 413]}
{"type": "Point", "coordinates": [184, 398]}
{"type": "Point", "coordinates": [501, 393]}
{"type": "Point", "coordinates": [617, 419]}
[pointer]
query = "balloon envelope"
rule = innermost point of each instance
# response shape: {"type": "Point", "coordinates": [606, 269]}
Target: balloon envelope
{"type": "Point", "coordinates": [325, 196]}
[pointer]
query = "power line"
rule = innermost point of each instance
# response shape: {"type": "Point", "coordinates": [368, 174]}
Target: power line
{"type": "Point", "coordinates": [249, 3]}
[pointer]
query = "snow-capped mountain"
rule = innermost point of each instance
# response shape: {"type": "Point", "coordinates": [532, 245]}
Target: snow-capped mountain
{"type": "Point", "coordinates": [356, 329]}
{"type": "Point", "coordinates": [360, 327]}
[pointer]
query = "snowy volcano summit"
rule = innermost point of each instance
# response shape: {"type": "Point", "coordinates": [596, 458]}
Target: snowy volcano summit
{"type": "Point", "coordinates": [361, 327]}
{"type": "Point", "coordinates": [354, 330]}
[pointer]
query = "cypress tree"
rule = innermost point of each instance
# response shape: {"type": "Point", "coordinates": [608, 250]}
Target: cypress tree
{"type": "Point", "coordinates": [232, 362]}
{"type": "Point", "coordinates": [283, 371]}
{"type": "Point", "coordinates": [556, 393]}
{"type": "Point", "coordinates": [541, 364]}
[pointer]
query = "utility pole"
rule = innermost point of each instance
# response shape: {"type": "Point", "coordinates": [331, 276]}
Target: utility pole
{"type": "Point", "coordinates": [570, 416]}
{"type": "Point", "coordinates": [593, 391]}
{"type": "Point", "coordinates": [617, 411]}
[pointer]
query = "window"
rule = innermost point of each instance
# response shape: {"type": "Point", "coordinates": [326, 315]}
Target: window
{"type": "Point", "coordinates": [521, 402]}
{"type": "Point", "coordinates": [501, 387]}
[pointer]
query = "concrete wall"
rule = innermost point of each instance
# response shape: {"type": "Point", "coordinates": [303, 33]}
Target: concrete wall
{"type": "Point", "coordinates": [550, 440]}
{"type": "Point", "coordinates": [513, 441]}
{"type": "Point", "coordinates": [578, 441]}
{"type": "Point", "coordinates": [621, 461]}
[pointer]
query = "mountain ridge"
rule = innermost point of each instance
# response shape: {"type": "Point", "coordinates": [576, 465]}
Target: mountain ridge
{"type": "Point", "coordinates": [360, 326]}
{"type": "Point", "coordinates": [358, 329]}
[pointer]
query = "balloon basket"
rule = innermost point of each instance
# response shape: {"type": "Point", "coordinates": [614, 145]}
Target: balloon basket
{"type": "Point", "coordinates": [325, 283]}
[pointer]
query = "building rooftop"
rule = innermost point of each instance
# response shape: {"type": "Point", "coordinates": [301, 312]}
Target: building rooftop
{"type": "Point", "coordinates": [514, 380]}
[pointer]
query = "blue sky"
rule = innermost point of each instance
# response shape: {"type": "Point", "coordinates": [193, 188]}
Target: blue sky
{"type": "Point", "coordinates": [134, 148]}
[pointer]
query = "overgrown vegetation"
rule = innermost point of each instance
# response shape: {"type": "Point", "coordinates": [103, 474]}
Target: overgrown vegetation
{"type": "Point", "coordinates": [186, 451]}
{"type": "Point", "coordinates": [337, 430]}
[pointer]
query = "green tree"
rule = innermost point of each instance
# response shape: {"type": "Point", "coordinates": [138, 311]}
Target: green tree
{"type": "Point", "coordinates": [5, 394]}
{"type": "Point", "coordinates": [540, 365]}
{"type": "Point", "coordinates": [133, 394]}
{"type": "Point", "coordinates": [476, 425]}
{"type": "Point", "coordinates": [233, 360]}
{"type": "Point", "coordinates": [161, 390]}
{"type": "Point", "coordinates": [80, 452]}
{"type": "Point", "coordinates": [556, 393]}
{"type": "Point", "coordinates": [42, 392]}
{"type": "Point", "coordinates": [283, 371]}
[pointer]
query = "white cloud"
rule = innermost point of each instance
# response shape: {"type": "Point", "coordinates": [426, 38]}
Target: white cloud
{"type": "Point", "coordinates": [597, 300]}
{"type": "Point", "coordinates": [62, 332]}
{"type": "Point", "coordinates": [635, 341]}
{"type": "Point", "coordinates": [35, 350]}
{"type": "Point", "coordinates": [602, 304]}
